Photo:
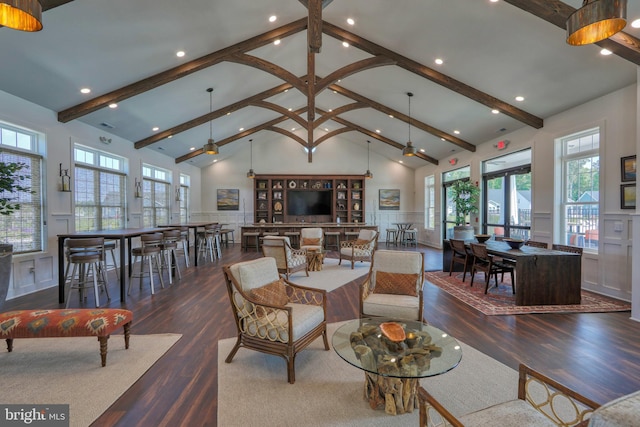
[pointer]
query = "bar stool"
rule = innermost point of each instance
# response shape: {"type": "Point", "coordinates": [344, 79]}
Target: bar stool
{"type": "Point", "coordinates": [410, 237]}
{"type": "Point", "coordinates": [110, 246]}
{"type": "Point", "coordinates": [351, 235]}
{"type": "Point", "coordinates": [251, 237]}
{"type": "Point", "coordinates": [294, 238]}
{"type": "Point", "coordinates": [184, 242]}
{"type": "Point", "coordinates": [227, 234]}
{"type": "Point", "coordinates": [87, 255]}
{"type": "Point", "coordinates": [392, 236]}
{"type": "Point", "coordinates": [267, 233]}
{"type": "Point", "coordinates": [150, 251]}
{"type": "Point", "coordinates": [332, 240]}
{"type": "Point", "coordinates": [209, 242]}
{"type": "Point", "coordinates": [168, 249]}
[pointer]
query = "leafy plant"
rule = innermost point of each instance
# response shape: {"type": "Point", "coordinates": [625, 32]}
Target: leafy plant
{"type": "Point", "coordinates": [465, 196]}
{"type": "Point", "coordinates": [12, 183]}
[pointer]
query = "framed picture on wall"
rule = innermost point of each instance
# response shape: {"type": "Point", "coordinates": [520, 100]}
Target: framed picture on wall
{"type": "Point", "coordinates": [628, 196]}
{"type": "Point", "coordinates": [628, 168]}
{"type": "Point", "coordinates": [389, 200]}
{"type": "Point", "coordinates": [228, 199]}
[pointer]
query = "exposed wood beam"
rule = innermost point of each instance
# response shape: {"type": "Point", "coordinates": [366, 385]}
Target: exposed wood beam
{"type": "Point", "coordinates": [433, 75]}
{"type": "Point", "coordinates": [397, 114]}
{"type": "Point", "coordinates": [183, 70]}
{"type": "Point", "coordinates": [212, 116]}
{"type": "Point", "coordinates": [338, 111]}
{"type": "Point", "coordinates": [314, 25]}
{"type": "Point", "coordinates": [269, 67]}
{"type": "Point", "coordinates": [332, 134]}
{"type": "Point", "coordinates": [556, 12]}
{"type": "Point", "coordinates": [279, 109]}
{"type": "Point", "coordinates": [356, 67]}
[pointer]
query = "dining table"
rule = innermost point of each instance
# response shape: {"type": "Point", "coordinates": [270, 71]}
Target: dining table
{"type": "Point", "coordinates": [123, 235]}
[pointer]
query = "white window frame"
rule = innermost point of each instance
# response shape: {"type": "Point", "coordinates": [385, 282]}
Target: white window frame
{"type": "Point", "coordinates": [156, 210]}
{"type": "Point", "coordinates": [184, 193]}
{"type": "Point", "coordinates": [430, 202]}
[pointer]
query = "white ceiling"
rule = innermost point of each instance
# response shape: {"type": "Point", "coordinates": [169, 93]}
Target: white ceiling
{"type": "Point", "coordinates": [496, 48]}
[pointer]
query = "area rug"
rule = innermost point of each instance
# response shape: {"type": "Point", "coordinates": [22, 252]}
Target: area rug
{"type": "Point", "coordinates": [501, 301]}
{"type": "Point", "coordinates": [68, 371]}
{"type": "Point", "coordinates": [253, 389]}
{"type": "Point", "coordinates": [332, 275]}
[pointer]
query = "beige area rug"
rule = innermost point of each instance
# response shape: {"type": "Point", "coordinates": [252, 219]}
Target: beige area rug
{"type": "Point", "coordinates": [253, 389]}
{"type": "Point", "coordinates": [68, 371]}
{"type": "Point", "coordinates": [332, 275]}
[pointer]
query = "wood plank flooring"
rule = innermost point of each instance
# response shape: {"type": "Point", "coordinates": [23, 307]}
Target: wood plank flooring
{"type": "Point", "coordinates": [596, 354]}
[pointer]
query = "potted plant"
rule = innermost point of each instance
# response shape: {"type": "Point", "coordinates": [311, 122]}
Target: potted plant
{"type": "Point", "coordinates": [12, 183]}
{"type": "Point", "coordinates": [465, 196]}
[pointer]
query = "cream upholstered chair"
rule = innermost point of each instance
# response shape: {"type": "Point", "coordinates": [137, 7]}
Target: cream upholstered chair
{"type": "Point", "coordinates": [273, 315]}
{"type": "Point", "coordinates": [541, 402]}
{"type": "Point", "coordinates": [288, 260]}
{"type": "Point", "coordinates": [394, 286]}
{"type": "Point", "coordinates": [359, 249]}
{"type": "Point", "coordinates": [312, 238]}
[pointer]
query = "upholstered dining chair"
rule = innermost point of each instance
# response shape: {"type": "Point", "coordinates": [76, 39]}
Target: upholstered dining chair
{"type": "Point", "coordinates": [541, 402]}
{"type": "Point", "coordinates": [273, 315]}
{"type": "Point", "coordinates": [460, 254]}
{"type": "Point", "coordinates": [485, 262]}
{"type": "Point", "coordinates": [312, 239]}
{"type": "Point", "coordinates": [393, 287]}
{"type": "Point", "coordinates": [288, 260]}
{"type": "Point", "coordinates": [360, 249]}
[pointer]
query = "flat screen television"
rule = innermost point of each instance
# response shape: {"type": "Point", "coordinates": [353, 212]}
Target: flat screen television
{"type": "Point", "coordinates": [309, 202]}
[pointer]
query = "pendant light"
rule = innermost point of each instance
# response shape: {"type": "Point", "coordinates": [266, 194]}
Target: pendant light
{"type": "Point", "coordinates": [368, 174]}
{"type": "Point", "coordinates": [23, 15]}
{"type": "Point", "coordinates": [210, 147]}
{"type": "Point", "coordinates": [596, 20]}
{"type": "Point", "coordinates": [409, 150]}
{"type": "Point", "coordinates": [251, 174]}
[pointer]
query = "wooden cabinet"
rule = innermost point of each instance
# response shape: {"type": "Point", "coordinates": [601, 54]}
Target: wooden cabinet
{"type": "Point", "coordinates": [309, 198]}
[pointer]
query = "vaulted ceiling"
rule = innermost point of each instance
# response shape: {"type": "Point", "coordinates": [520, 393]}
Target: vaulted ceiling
{"type": "Point", "coordinates": [325, 79]}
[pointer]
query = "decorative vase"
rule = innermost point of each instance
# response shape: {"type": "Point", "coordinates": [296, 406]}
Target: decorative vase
{"type": "Point", "coordinates": [6, 252]}
{"type": "Point", "coordinates": [463, 232]}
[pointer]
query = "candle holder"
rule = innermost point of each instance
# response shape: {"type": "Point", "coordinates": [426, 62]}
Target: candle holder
{"type": "Point", "coordinates": [65, 180]}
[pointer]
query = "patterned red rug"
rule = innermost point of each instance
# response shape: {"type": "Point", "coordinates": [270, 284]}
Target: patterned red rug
{"type": "Point", "coordinates": [501, 301]}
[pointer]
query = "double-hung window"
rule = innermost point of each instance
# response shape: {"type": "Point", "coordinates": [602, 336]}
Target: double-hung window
{"type": "Point", "coordinates": [430, 202]}
{"type": "Point", "coordinates": [100, 194]}
{"type": "Point", "coordinates": [185, 180]}
{"type": "Point", "coordinates": [156, 191]}
{"type": "Point", "coordinates": [23, 227]}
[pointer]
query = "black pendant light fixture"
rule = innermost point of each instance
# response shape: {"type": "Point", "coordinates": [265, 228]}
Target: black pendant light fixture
{"type": "Point", "coordinates": [23, 15]}
{"type": "Point", "coordinates": [210, 147]}
{"type": "Point", "coordinates": [409, 150]}
{"type": "Point", "coordinates": [596, 20]}
{"type": "Point", "coordinates": [251, 174]}
{"type": "Point", "coordinates": [368, 174]}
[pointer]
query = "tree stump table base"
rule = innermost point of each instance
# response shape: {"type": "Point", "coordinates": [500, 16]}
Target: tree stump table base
{"type": "Point", "coordinates": [314, 260]}
{"type": "Point", "coordinates": [396, 395]}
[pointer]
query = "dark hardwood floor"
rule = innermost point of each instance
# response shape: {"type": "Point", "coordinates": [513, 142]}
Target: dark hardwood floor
{"type": "Point", "coordinates": [596, 354]}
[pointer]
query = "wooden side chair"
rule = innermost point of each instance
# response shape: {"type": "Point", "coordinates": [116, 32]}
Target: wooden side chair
{"type": "Point", "coordinates": [536, 244]}
{"type": "Point", "coordinates": [460, 254]}
{"type": "Point", "coordinates": [567, 248]}
{"type": "Point", "coordinates": [288, 260]}
{"type": "Point", "coordinates": [483, 261]}
{"type": "Point", "coordinates": [541, 402]}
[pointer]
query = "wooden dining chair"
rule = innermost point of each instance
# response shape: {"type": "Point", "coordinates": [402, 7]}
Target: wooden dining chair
{"type": "Point", "coordinates": [485, 262]}
{"type": "Point", "coordinates": [567, 248]}
{"type": "Point", "coordinates": [536, 244]}
{"type": "Point", "coordinates": [460, 255]}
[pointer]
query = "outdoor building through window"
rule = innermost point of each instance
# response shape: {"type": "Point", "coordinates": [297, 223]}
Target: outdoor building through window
{"type": "Point", "coordinates": [156, 191]}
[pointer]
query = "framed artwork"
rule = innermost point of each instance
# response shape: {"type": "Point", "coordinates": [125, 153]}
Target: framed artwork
{"type": "Point", "coordinates": [628, 168]}
{"type": "Point", "coordinates": [628, 196]}
{"type": "Point", "coordinates": [228, 199]}
{"type": "Point", "coordinates": [389, 200]}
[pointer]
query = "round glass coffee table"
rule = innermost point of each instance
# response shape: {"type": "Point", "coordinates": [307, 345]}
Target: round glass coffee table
{"type": "Point", "coordinates": [395, 354]}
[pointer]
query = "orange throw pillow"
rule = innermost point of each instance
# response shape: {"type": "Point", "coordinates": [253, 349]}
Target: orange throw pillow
{"type": "Point", "coordinates": [396, 283]}
{"type": "Point", "coordinates": [361, 242]}
{"type": "Point", "coordinates": [310, 242]}
{"type": "Point", "coordinates": [273, 293]}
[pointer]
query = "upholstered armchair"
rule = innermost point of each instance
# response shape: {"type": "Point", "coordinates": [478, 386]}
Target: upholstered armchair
{"type": "Point", "coordinates": [359, 249]}
{"type": "Point", "coordinates": [273, 315]}
{"type": "Point", "coordinates": [541, 402]}
{"type": "Point", "coordinates": [393, 287]}
{"type": "Point", "coordinates": [288, 260]}
{"type": "Point", "coordinates": [312, 239]}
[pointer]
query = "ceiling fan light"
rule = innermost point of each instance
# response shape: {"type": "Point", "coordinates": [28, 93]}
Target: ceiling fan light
{"type": "Point", "coordinates": [23, 15]}
{"type": "Point", "coordinates": [409, 150]}
{"type": "Point", "coordinates": [596, 20]}
{"type": "Point", "coordinates": [211, 148]}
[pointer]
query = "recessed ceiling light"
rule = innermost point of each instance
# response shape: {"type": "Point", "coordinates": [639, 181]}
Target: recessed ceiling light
{"type": "Point", "coordinates": [293, 129]}
{"type": "Point", "coordinates": [192, 148]}
{"type": "Point", "coordinates": [326, 129]}
{"type": "Point", "coordinates": [519, 98]}
{"type": "Point", "coordinates": [345, 44]}
{"type": "Point", "coordinates": [439, 61]}
{"type": "Point", "coordinates": [391, 116]}
{"type": "Point", "coordinates": [156, 128]}
{"type": "Point", "coordinates": [442, 139]}
{"type": "Point", "coordinates": [286, 90]}
{"type": "Point", "coordinates": [422, 150]}
{"type": "Point", "coordinates": [493, 1]}
{"type": "Point", "coordinates": [350, 21]}
{"type": "Point", "coordinates": [378, 131]}
{"type": "Point", "coordinates": [85, 90]}
{"type": "Point", "coordinates": [114, 105]}
{"type": "Point", "coordinates": [276, 42]}
{"type": "Point", "coordinates": [494, 111]}
{"type": "Point", "coordinates": [457, 132]}
{"type": "Point", "coordinates": [605, 52]}
{"type": "Point", "coordinates": [330, 109]}
{"type": "Point", "coordinates": [241, 129]}
{"type": "Point", "coordinates": [273, 18]}
{"type": "Point", "coordinates": [400, 161]}
{"type": "Point", "coordinates": [635, 23]}
{"type": "Point", "coordinates": [170, 136]}
{"type": "Point", "coordinates": [215, 161]}
{"type": "Point", "coordinates": [180, 53]}
{"type": "Point", "coordinates": [228, 113]}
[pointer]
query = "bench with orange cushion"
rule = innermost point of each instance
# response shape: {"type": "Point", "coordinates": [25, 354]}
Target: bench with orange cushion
{"type": "Point", "coordinates": [98, 322]}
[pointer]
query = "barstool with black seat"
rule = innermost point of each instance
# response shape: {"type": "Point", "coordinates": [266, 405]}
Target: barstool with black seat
{"type": "Point", "coordinates": [86, 256]}
{"type": "Point", "coordinates": [150, 251]}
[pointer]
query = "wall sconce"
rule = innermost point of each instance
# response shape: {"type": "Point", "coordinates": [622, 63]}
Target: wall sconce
{"type": "Point", "coordinates": [65, 180]}
{"type": "Point", "coordinates": [501, 145]}
{"type": "Point", "coordinates": [177, 193]}
{"type": "Point", "coordinates": [137, 188]}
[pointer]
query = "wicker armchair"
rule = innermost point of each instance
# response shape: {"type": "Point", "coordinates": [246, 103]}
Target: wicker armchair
{"type": "Point", "coordinates": [394, 286]}
{"type": "Point", "coordinates": [270, 319]}
{"type": "Point", "coordinates": [288, 260]}
{"type": "Point", "coordinates": [360, 249]}
{"type": "Point", "coordinates": [541, 402]}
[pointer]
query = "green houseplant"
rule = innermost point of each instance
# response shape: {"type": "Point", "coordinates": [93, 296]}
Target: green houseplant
{"type": "Point", "coordinates": [13, 182]}
{"type": "Point", "coordinates": [465, 195]}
